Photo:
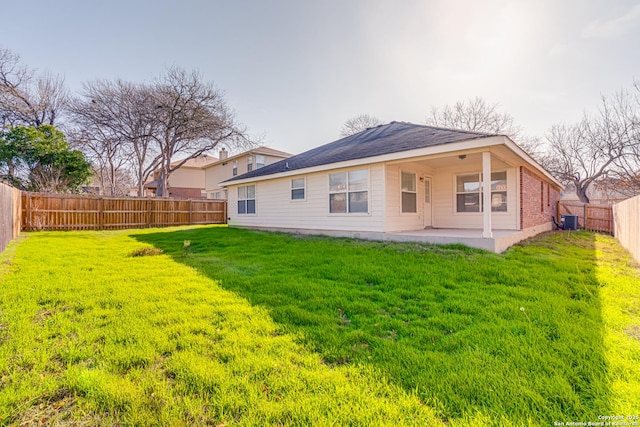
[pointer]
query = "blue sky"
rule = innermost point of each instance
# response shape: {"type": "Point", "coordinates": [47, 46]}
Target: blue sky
{"type": "Point", "coordinates": [295, 71]}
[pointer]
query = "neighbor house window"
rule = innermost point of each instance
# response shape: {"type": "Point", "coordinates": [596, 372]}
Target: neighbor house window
{"type": "Point", "coordinates": [249, 163]}
{"type": "Point", "coordinates": [297, 189]}
{"type": "Point", "coordinates": [409, 192]}
{"type": "Point", "coordinates": [349, 192]}
{"type": "Point", "coordinates": [469, 192]}
{"type": "Point", "coordinates": [235, 167]}
{"type": "Point", "coordinates": [247, 199]}
{"type": "Point", "coordinates": [259, 162]}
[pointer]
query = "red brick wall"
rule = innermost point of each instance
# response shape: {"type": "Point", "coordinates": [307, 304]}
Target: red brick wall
{"type": "Point", "coordinates": [186, 193]}
{"type": "Point", "coordinates": [538, 199]}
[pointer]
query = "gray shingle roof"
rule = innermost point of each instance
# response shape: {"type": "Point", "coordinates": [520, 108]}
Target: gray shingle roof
{"type": "Point", "coordinates": [393, 137]}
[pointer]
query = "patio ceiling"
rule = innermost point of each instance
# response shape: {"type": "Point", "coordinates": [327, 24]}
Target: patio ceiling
{"type": "Point", "coordinates": [501, 158]}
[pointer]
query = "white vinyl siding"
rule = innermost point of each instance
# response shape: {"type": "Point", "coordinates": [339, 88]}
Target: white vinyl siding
{"type": "Point", "coordinates": [395, 218]}
{"type": "Point", "coordinates": [276, 210]}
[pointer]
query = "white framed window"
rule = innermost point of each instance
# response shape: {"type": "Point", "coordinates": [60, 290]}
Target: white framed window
{"type": "Point", "coordinates": [235, 167]}
{"type": "Point", "coordinates": [298, 189]}
{"type": "Point", "coordinates": [409, 192]}
{"type": "Point", "coordinates": [469, 192]}
{"type": "Point", "coordinates": [247, 199]}
{"type": "Point", "coordinates": [349, 192]}
{"type": "Point", "coordinates": [499, 191]}
{"type": "Point", "coordinates": [259, 161]}
{"type": "Point", "coordinates": [427, 191]}
{"type": "Point", "coordinates": [249, 163]}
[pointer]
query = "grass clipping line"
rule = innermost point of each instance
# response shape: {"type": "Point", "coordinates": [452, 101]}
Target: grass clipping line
{"type": "Point", "coordinates": [146, 251]}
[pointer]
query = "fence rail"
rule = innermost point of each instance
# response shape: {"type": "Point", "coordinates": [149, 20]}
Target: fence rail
{"type": "Point", "coordinates": [590, 217]}
{"type": "Point", "coordinates": [9, 214]}
{"type": "Point", "coordinates": [71, 212]}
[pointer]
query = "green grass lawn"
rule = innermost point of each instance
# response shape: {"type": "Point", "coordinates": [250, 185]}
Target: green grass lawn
{"type": "Point", "coordinates": [232, 327]}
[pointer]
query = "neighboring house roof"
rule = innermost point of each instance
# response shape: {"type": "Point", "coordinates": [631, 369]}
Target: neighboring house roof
{"type": "Point", "coordinates": [383, 139]}
{"type": "Point", "coordinates": [152, 184]}
{"type": "Point", "coordinates": [201, 161]}
{"type": "Point", "coordinates": [594, 192]}
{"type": "Point", "coordinates": [260, 150]}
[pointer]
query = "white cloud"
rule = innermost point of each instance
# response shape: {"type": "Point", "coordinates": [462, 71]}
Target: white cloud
{"type": "Point", "coordinates": [614, 27]}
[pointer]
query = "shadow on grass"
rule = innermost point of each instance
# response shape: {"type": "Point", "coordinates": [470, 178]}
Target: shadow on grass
{"type": "Point", "coordinates": [514, 337]}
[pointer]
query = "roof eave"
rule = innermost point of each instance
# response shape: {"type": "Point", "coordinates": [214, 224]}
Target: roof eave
{"type": "Point", "coordinates": [418, 152]}
{"type": "Point", "coordinates": [474, 143]}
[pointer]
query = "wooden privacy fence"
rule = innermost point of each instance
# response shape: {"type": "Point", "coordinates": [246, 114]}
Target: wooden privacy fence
{"type": "Point", "coordinates": [627, 220]}
{"type": "Point", "coordinates": [9, 214]}
{"type": "Point", "coordinates": [590, 217]}
{"type": "Point", "coordinates": [72, 212]}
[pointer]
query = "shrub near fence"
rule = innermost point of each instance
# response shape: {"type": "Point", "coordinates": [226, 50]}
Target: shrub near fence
{"type": "Point", "coordinates": [72, 212]}
{"type": "Point", "coordinates": [626, 215]}
{"type": "Point", "coordinates": [9, 214]}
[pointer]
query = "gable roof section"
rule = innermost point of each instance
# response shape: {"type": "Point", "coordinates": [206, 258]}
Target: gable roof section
{"type": "Point", "coordinates": [393, 137]}
{"type": "Point", "coordinates": [259, 150]}
{"type": "Point", "coordinates": [197, 162]}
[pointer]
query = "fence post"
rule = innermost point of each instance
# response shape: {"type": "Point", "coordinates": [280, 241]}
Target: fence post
{"type": "Point", "coordinates": [149, 213]}
{"type": "Point", "coordinates": [28, 196]}
{"type": "Point", "coordinates": [100, 213]}
{"type": "Point", "coordinates": [612, 222]}
{"type": "Point", "coordinates": [190, 210]}
{"type": "Point", "coordinates": [584, 213]}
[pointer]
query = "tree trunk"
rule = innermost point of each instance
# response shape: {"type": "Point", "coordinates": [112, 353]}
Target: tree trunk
{"type": "Point", "coordinates": [581, 191]}
{"type": "Point", "coordinates": [161, 189]}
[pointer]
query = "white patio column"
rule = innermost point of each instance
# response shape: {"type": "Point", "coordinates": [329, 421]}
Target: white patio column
{"type": "Point", "coordinates": [486, 194]}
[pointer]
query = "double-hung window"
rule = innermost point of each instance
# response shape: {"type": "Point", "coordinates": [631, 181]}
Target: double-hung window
{"type": "Point", "coordinates": [247, 199]}
{"type": "Point", "coordinates": [235, 167]}
{"type": "Point", "coordinates": [469, 192]}
{"type": "Point", "coordinates": [499, 191]}
{"type": "Point", "coordinates": [349, 192]}
{"type": "Point", "coordinates": [249, 163]}
{"type": "Point", "coordinates": [297, 189]}
{"type": "Point", "coordinates": [259, 161]}
{"type": "Point", "coordinates": [409, 192]}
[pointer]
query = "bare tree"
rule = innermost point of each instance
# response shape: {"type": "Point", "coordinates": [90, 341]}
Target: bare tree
{"type": "Point", "coordinates": [475, 115]}
{"type": "Point", "coordinates": [147, 126]}
{"type": "Point", "coordinates": [628, 108]}
{"type": "Point", "coordinates": [358, 124]}
{"type": "Point", "coordinates": [594, 149]}
{"type": "Point", "coordinates": [26, 98]}
{"type": "Point", "coordinates": [114, 125]}
{"type": "Point", "coordinates": [192, 118]}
